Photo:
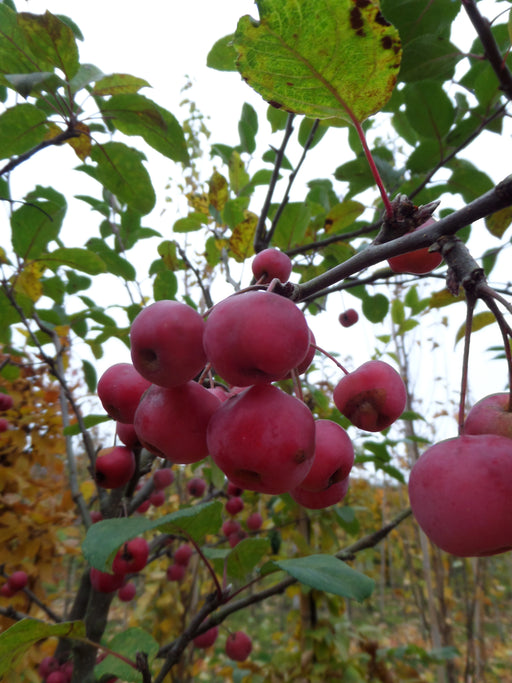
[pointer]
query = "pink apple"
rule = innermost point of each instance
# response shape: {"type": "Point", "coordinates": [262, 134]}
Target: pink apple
{"type": "Point", "coordinates": [491, 415]}
{"type": "Point", "coordinates": [120, 389]}
{"type": "Point", "coordinates": [317, 500]}
{"type": "Point", "coordinates": [333, 459]}
{"type": "Point", "coordinates": [166, 341]}
{"type": "Point", "coordinates": [114, 467]}
{"type": "Point", "coordinates": [238, 646]}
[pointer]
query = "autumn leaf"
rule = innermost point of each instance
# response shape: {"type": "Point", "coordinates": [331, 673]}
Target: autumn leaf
{"type": "Point", "coordinates": [322, 58]}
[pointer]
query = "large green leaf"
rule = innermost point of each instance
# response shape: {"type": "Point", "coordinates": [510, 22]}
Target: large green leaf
{"type": "Point", "coordinates": [127, 643]}
{"type": "Point", "coordinates": [429, 109]}
{"type": "Point", "coordinates": [21, 128]}
{"type": "Point", "coordinates": [37, 222]}
{"type": "Point", "coordinates": [51, 41]}
{"type": "Point", "coordinates": [321, 58]}
{"type": "Point", "coordinates": [244, 557]}
{"type": "Point", "coordinates": [429, 57]}
{"type": "Point", "coordinates": [116, 264]}
{"type": "Point", "coordinates": [104, 538]}
{"type": "Point", "coordinates": [17, 639]}
{"type": "Point", "coordinates": [76, 258]}
{"type": "Point", "coordinates": [120, 169]}
{"type": "Point", "coordinates": [414, 18]}
{"type": "Point", "coordinates": [15, 53]}
{"type": "Point", "coordinates": [330, 575]}
{"type": "Point", "coordinates": [222, 56]}
{"type": "Point", "coordinates": [134, 114]}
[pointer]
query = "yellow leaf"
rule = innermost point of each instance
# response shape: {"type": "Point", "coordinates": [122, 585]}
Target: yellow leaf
{"type": "Point", "coordinates": [28, 281]}
{"type": "Point", "coordinates": [479, 321]}
{"type": "Point", "coordinates": [87, 489]}
{"type": "Point", "coordinates": [218, 191]}
{"type": "Point", "coordinates": [82, 143]}
{"type": "Point", "coordinates": [499, 221]}
{"type": "Point", "coordinates": [444, 298]}
{"type": "Point", "coordinates": [242, 239]}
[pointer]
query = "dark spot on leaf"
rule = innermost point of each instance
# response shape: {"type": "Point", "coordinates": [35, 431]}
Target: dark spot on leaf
{"type": "Point", "coordinates": [386, 42]}
{"type": "Point", "coordinates": [328, 223]}
{"type": "Point", "coordinates": [290, 84]}
{"type": "Point", "coordinates": [277, 105]}
{"type": "Point", "coordinates": [380, 19]}
{"type": "Point", "coordinates": [362, 3]}
{"type": "Point", "coordinates": [356, 19]}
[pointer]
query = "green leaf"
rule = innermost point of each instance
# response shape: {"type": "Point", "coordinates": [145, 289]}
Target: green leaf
{"type": "Point", "coordinates": [77, 258]}
{"type": "Point", "coordinates": [305, 128]}
{"type": "Point", "coordinates": [299, 60]}
{"type": "Point", "coordinates": [134, 114]}
{"type": "Point", "coordinates": [104, 538]}
{"type": "Point", "coordinates": [120, 169]}
{"type": "Point", "coordinates": [498, 222]}
{"type": "Point", "coordinates": [415, 18]}
{"type": "Point", "coordinates": [30, 84]}
{"type": "Point", "coordinates": [118, 84]}
{"type": "Point", "coordinates": [194, 221]}
{"type": "Point", "coordinates": [165, 285]}
{"type": "Point", "coordinates": [342, 216]}
{"type": "Point", "coordinates": [244, 557]}
{"type": "Point", "coordinates": [397, 312]}
{"type": "Point", "coordinates": [429, 57]}
{"type": "Point", "coordinates": [467, 180]}
{"type": "Point", "coordinates": [247, 128]}
{"type": "Point", "coordinates": [480, 320]}
{"type": "Point", "coordinates": [375, 308]}
{"type": "Point", "coordinates": [115, 263]}
{"type": "Point", "coordinates": [21, 128]}
{"type": "Point", "coordinates": [127, 643]}
{"type": "Point", "coordinates": [51, 40]}
{"type": "Point", "coordinates": [87, 73]}
{"type": "Point", "coordinates": [429, 109]}
{"type": "Point", "coordinates": [222, 56]}
{"type": "Point", "coordinates": [330, 575]}
{"type": "Point", "coordinates": [17, 639]}
{"type": "Point", "coordinates": [89, 421]}
{"type": "Point", "coordinates": [37, 222]}
{"type": "Point", "coordinates": [90, 375]}
{"type": "Point", "coordinates": [292, 224]}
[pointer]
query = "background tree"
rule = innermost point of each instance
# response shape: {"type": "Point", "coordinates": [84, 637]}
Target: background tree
{"type": "Point", "coordinates": [201, 557]}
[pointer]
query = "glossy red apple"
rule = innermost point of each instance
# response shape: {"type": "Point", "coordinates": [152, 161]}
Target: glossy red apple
{"type": "Point", "coordinates": [114, 467]}
{"type": "Point", "coordinates": [333, 459]}
{"type": "Point", "coordinates": [196, 487]}
{"type": "Point", "coordinates": [207, 638]}
{"type": "Point", "coordinates": [131, 557]}
{"type": "Point", "coordinates": [238, 646]}
{"type": "Point", "coordinates": [271, 263]}
{"type": "Point", "coordinates": [127, 592]}
{"type": "Point", "coordinates": [166, 340]}
{"type": "Point", "coordinates": [172, 422]}
{"type": "Point", "coordinates": [372, 397]}
{"type": "Point", "coordinates": [163, 478]}
{"type": "Point", "coordinates": [104, 582]}
{"type": "Point", "coordinates": [491, 415]}
{"type": "Point", "coordinates": [317, 500]}
{"type": "Point", "coordinates": [419, 261]}
{"type": "Point", "coordinates": [254, 521]}
{"type": "Point", "coordinates": [348, 317]}
{"type": "Point", "coordinates": [460, 492]}
{"type": "Point", "coordinates": [255, 338]}
{"type": "Point", "coordinates": [263, 439]}
{"type": "Point", "coordinates": [120, 389]}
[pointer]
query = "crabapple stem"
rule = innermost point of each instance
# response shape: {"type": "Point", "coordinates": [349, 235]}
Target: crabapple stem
{"type": "Point", "coordinates": [331, 357]}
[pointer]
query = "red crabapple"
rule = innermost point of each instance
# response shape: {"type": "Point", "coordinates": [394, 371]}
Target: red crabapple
{"type": "Point", "coordinates": [6, 591]}
{"type": "Point", "coordinates": [127, 592]}
{"type": "Point", "coordinates": [4, 424]}
{"type": "Point", "coordinates": [175, 572]}
{"type": "Point", "coordinates": [104, 582]}
{"type": "Point", "coordinates": [196, 487]}
{"type": "Point", "coordinates": [131, 557]}
{"type": "Point", "coordinates": [163, 478]}
{"type": "Point", "coordinates": [333, 459]}
{"type": "Point", "coordinates": [57, 677]}
{"type": "Point", "coordinates": [234, 505]}
{"type": "Point", "coordinates": [172, 422]}
{"type": "Point", "coordinates": [6, 401]}
{"type": "Point", "coordinates": [127, 435]}
{"type": "Point", "coordinates": [230, 526]}
{"type": "Point", "coordinates": [47, 665]}
{"type": "Point", "coordinates": [182, 554]}
{"type": "Point", "coordinates": [255, 338]}
{"type": "Point", "coordinates": [490, 415]}
{"type": "Point", "coordinates": [156, 498]}
{"type": "Point", "coordinates": [166, 341]}
{"type": "Point", "coordinates": [207, 638]}
{"type": "Point", "coordinates": [460, 491]}
{"type": "Point", "coordinates": [235, 538]}
{"type": "Point", "coordinates": [372, 397]}
{"type": "Point", "coordinates": [254, 521]}
{"type": "Point", "coordinates": [263, 439]}
{"type": "Point", "coordinates": [238, 646]}
{"type": "Point", "coordinates": [233, 490]}
{"type": "Point", "coordinates": [271, 263]}
{"type": "Point", "coordinates": [348, 317]}
{"type": "Point", "coordinates": [119, 389]}
{"type": "Point", "coordinates": [18, 580]}
{"type": "Point", "coordinates": [145, 505]}
{"type": "Point", "coordinates": [114, 467]}
{"type": "Point", "coordinates": [317, 500]}
{"type": "Point", "coordinates": [419, 261]}
{"type": "Point", "coordinates": [96, 516]}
